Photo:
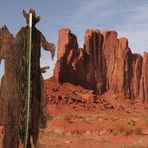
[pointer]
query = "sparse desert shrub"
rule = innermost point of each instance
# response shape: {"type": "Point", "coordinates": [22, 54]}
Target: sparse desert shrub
{"type": "Point", "coordinates": [49, 116]}
{"type": "Point", "coordinates": [68, 119]}
{"type": "Point", "coordinates": [127, 130]}
{"type": "Point", "coordinates": [138, 130]}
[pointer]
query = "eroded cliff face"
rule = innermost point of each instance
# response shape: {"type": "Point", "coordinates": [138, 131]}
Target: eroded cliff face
{"type": "Point", "coordinates": [105, 63]}
{"type": "Point", "coordinates": [68, 51]}
{"type": "Point", "coordinates": [143, 94]}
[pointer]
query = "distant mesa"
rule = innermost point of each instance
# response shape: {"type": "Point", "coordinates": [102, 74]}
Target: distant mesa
{"type": "Point", "coordinates": [106, 63]}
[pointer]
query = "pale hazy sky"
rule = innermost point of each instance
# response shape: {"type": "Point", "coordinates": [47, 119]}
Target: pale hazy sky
{"type": "Point", "coordinates": [128, 17]}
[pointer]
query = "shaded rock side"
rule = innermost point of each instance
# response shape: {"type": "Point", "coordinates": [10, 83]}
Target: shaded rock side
{"type": "Point", "coordinates": [67, 52]}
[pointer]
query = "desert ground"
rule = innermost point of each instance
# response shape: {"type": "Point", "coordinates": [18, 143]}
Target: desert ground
{"type": "Point", "coordinates": [75, 124]}
{"type": "Point", "coordinates": [79, 128]}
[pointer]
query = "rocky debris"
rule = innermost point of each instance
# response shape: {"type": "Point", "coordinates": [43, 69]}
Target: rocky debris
{"type": "Point", "coordinates": [77, 96]}
{"type": "Point", "coordinates": [105, 63]}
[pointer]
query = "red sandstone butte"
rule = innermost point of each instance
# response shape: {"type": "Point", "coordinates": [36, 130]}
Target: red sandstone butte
{"type": "Point", "coordinates": [105, 61]}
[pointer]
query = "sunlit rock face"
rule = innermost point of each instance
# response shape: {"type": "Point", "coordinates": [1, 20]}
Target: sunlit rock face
{"type": "Point", "coordinates": [144, 79]}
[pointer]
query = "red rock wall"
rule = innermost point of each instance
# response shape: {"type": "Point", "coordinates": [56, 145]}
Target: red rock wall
{"type": "Point", "coordinates": [117, 56]}
{"type": "Point", "coordinates": [67, 52]}
{"type": "Point", "coordinates": [143, 95]}
{"type": "Point", "coordinates": [136, 76]}
{"type": "Point", "coordinates": [105, 63]}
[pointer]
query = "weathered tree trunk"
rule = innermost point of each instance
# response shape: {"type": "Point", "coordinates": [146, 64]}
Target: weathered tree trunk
{"type": "Point", "coordinates": [6, 40]}
{"type": "Point", "coordinates": [13, 92]}
{"type": "Point", "coordinates": [44, 102]}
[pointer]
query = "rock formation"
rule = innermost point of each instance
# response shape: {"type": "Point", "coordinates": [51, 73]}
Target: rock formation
{"type": "Point", "coordinates": [135, 82]}
{"type": "Point", "coordinates": [68, 50]}
{"type": "Point", "coordinates": [143, 94]}
{"type": "Point", "coordinates": [106, 63]}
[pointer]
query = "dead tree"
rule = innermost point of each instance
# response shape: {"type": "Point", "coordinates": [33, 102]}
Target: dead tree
{"type": "Point", "coordinates": [16, 78]}
{"type": "Point", "coordinates": [6, 41]}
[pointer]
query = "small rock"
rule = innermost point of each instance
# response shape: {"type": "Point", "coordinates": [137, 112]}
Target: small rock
{"type": "Point", "coordinates": [68, 142]}
{"type": "Point", "coordinates": [144, 132]}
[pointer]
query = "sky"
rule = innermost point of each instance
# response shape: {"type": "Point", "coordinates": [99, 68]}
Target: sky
{"type": "Point", "coordinates": [128, 17]}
